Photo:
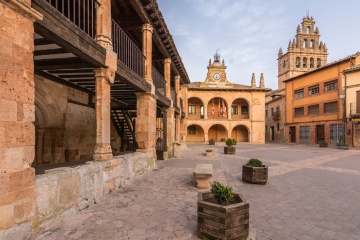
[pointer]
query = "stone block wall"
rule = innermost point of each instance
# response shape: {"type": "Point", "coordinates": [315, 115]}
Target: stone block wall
{"type": "Point", "coordinates": [63, 192]}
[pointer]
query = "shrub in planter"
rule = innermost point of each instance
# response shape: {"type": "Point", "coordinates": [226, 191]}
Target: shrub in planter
{"type": "Point", "coordinates": [323, 143]}
{"type": "Point", "coordinates": [255, 172]}
{"type": "Point", "coordinates": [211, 142]}
{"type": "Point", "coordinates": [222, 214]}
{"type": "Point", "coordinates": [342, 145]}
{"type": "Point", "coordinates": [229, 149]}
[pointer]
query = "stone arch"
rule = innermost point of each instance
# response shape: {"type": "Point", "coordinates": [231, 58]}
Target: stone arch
{"type": "Point", "coordinates": [218, 112]}
{"type": "Point", "coordinates": [318, 62]}
{"type": "Point", "coordinates": [195, 106]}
{"type": "Point", "coordinates": [240, 109]}
{"type": "Point", "coordinates": [312, 43]}
{"type": "Point", "coordinates": [46, 114]}
{"type": "Point", "coordinates": [311, 62]}
{"type": "Point", "coordinates": [297, 62]}
{"type": "Point", "coordinates": [217, 132]}
{"type": "Point", "coordinates": [305, 43]}
{"type": "Point", "coordinates": [195, 133]}
{"type": "Point", "coordinates": [304, 62]}
{"type": "Point", "coordinates": [240, 133]}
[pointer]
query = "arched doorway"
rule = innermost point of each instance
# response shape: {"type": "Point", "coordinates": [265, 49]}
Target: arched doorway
{"type": "Point", "coordinates": [217, 108]}
{"type": "Point", "coordinates": [195, 108]}
{"type": "Point", "coordinates": [195, 133]}
{"type": "Point", "coordinates": [217, 132]}
{"type": "Point", "coordinates": [240, 133]}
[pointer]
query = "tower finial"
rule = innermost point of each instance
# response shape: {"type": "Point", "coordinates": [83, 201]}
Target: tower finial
{"type": "Point", "coordinates": [262, 81]}
{"type": "Point", "coordinates": [253, 81]}
{"type": "Point", "coordinates": [307, 13]}
{"type": "Point", "coordinates": [217, 56]}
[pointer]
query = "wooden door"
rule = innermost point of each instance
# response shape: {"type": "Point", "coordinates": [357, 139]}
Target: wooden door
{"type": "Point", "coordinates": [213, 133]}
{"type": "Point", "coordinates": [320, 132]}
{"type": "Point", "coordinates": [292, 134]}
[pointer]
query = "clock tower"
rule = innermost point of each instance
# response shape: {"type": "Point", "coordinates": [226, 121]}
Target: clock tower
{"type": "Point", "coordinates": [216, 75]}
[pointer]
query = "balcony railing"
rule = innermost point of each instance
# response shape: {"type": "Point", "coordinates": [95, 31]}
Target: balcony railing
{"type": "Point", "coordinates": [276, 115]}
{"type": "Point", "coordinates": [82, 13]}
{"type": "Point", "coordinates": [158, 80]}
{"type": "Point", "coordinates": [354, 109]}
{"type": "Point", "coordinates": [127, 51]}
{"type": "Point", "coordinates": [173, 96]}
{"type": "Point", "coordinates": [182, 104]}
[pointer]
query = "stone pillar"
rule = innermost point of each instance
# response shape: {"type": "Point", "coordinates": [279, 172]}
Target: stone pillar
{"type": "Point", "coordinates": [167, 76]}
{"type": "Point", "coordinates": [205, 112]}
{"type": "Point", "coordinates": [170, 127]}
{"type": "Point", "coordinates": [146, 124]}
{"type": "Point", "coordinates": [103, 24]}
{"type": "Point", "coordinates": [206, 137]}
{"type": "Point", "coordinates": [39, 146]}
{"type": "Point", "coordinates": [178, 128]}
{"type": "Point", "coordinates": [177, 89]}
{"type": "Point", "coordinates": [229, 113]}
{"type": "Point", "coordinates": [147, 31]}
{"type": "Point", "coordinates": [17, 116]}
{"type": "Point", "coordinates": [183, 130]}
{"type": "Point", "coordinates": [102, 149]}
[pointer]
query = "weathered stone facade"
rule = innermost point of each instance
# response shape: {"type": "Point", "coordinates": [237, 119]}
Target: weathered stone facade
{"type": "Point", "coordinates": [218, 109]}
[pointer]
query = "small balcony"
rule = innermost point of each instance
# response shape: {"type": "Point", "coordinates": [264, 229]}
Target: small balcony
{"type": "Point", "coordinates": [354, 109]}
{"type": "Point", "coordinates": [276, 116]}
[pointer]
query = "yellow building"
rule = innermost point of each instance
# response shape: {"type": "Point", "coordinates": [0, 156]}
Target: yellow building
{"type": "Point", "coordinates": [218, 109]}
{"type": "Point", "coordinates": [313, 106]}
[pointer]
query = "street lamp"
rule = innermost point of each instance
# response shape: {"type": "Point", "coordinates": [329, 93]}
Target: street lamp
{"type": "Point", "coordinates": [342, 97]}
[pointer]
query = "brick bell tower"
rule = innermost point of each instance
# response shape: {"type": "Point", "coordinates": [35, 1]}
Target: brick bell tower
{"type": "Point", "coordinates": [305, 52]}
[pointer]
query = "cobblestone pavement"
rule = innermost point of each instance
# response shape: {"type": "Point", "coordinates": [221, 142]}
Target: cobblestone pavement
{"type": "Point", "coordinates": [312, 193]}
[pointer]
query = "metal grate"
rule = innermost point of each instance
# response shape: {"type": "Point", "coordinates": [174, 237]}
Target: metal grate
{"type": "Point", "coordinates": [335, 133]}
{"type": "Point", "coordinates": [304, 134]}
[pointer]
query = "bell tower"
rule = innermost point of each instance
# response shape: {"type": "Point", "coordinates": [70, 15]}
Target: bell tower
{"type": "Point", "coordinates": [216, 76]}
{"type": "Point", "coordinates": [305, 52]}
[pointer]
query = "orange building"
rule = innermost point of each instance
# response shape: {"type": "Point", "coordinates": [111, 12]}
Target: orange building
{"type": "Point", "coordinates": [313, 106]}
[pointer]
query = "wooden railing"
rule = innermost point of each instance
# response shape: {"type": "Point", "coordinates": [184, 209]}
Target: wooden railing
{"type": "Point", "coordinates": [127, 51]}
{"type": "Point", "coordinates": [173, 95]}
{"type": "Point", "coordinates": [158, 80]}
{"type": "Point", "coordinates": [81, 12]}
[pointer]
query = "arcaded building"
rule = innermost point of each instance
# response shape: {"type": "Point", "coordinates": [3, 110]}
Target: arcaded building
{"type": "Point", "coordinates": [305, 53]}
{"type": "Point", "coordinates": [81, 81]}
{"type": "Point", "coordinates": [218, 109]}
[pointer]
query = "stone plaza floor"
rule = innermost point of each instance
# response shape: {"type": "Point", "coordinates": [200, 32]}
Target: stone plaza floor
{"type": "Point", "coordinates": [311, 193]}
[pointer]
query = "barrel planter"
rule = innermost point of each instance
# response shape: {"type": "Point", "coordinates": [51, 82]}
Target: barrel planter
{"type": "Point", "coordinates": [229, 150]}
{"type": "Point", "coordinates": [211, 142]}
{"type": "Point", "coordinates": [255, 174]}
{"type": "Point", "coordinates": [216, 221]}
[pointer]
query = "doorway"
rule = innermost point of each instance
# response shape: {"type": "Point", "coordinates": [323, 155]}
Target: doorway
{"type": "Point", "coordinates": [272, 134]}
{"type": "Point", "coordinates": [320, 133]}
{"type": "Point", "coordinates": [293, 134]}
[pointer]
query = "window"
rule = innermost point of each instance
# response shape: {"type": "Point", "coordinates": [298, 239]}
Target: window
{"type": "Point", "coordinates": [234, 110]}
{"type": "Point", "coordinates": [192, 130]}
{"type": "Point", "coordinates": [299, 112]}
{"type": "Point", "coordinates": [331, 107]}
{"type": "Point", "coordinates": [297, 62]}
{"type": "Point", "coordinates": [277, 109]}
{"type": "Point", "coordinates": [299, 94]}
{"type": "Point", "coordinates": [266, 113]}
{"type": "Point", "coordinates": [244, 110]}
{"type": "Point", "coordinates": [313, 90]}
{"type": "Point", "coordinates": [329, 86]}
{"type": "Point", "coordinates": [304, 134]}
{"type": "Point", "coordinates": [318, 62]}
{"type": "Point", "coordinates": [192, 109]}
{"type": "Point", "coordinates": [304, 62]}
{"type": "Point", "coordinates": [311, 62]}
{"type": "Point", "coordinates": [278, 127]}
{"type": "Point", "coordinates": [201, 111]}
{"type": "Point", "coordinates": [272, 111]}
{"type": "Point", "coordinates": [313, 109]}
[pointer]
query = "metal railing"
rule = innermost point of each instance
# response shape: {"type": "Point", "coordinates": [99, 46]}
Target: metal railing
{"type": "Point", "coordinates": [158, 80]}
{"type": "Point", "coordinates": [276, 115]}
{"type": "Point", "coordinates": [173, 95]}
{"type": "Point", "coordinates": [354, 109]}
{"type": "Point", "coordinates": [127, 51]}
{"type": "Point", "coordinates": [81, 12]}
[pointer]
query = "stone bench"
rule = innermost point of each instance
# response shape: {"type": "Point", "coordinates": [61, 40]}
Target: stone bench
{"type": "Point", "coordinates": [203, 174]}
{"type": "Point", "coordinates": [208, 152]}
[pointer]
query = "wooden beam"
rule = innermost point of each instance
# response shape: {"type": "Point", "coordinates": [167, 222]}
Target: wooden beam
{"type": "Point", "coordinates": [131, 79]}
{"type": "Point", "coordinates": [49, 51]}
{"type": "Point", "coordinates": [64, 65]}
{"type": "Point", "coordinates": [58, 29]}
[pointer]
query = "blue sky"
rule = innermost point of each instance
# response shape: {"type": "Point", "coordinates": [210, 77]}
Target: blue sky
{"type": "Point", "coordinates": [249, 33]}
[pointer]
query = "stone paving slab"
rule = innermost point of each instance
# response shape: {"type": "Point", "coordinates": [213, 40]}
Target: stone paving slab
{"type": "Point", "coordinates": [313, 195]}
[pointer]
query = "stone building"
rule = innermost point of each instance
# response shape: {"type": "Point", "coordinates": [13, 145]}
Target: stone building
{"type": "Point", "coordinates": [81, 81]}
{"type": "Point", "coordinates": [218, 109]}
{"type": "Point", "coordinates": [352, 101]}
{"type": "Point", "coordinates": [305, 53]}
{"type": "Point", "coordinates": [314, 108]}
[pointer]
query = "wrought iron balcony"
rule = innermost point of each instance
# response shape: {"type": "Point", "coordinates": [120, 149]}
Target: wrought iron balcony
{"type": "Point", "coordinates": [354, 110]}
{"type": "Point", "coordinates": [276, 116]}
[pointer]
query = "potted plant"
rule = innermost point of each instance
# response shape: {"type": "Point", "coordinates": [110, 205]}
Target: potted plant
{"type": "Point", "coordinates": [229, 149]}
{"type": "Point", "coordinates": [342, 145]}
{"type": "Point", "coordinates": [323, 143]}
{"type": "Point", "coordinates": [211, 142]}
{"type": "Point", "coordinates": [255, 172]}
{"type": "Point", "coordinates": [234, 142]}
{"type": "Point", "coordinates": [222, 214]}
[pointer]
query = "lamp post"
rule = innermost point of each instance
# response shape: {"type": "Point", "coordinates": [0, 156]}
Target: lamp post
{"type": "Point", "coordinates": [342, 97]}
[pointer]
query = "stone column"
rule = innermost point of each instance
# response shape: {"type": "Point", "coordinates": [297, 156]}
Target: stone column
{"type": "Point", "coordinates": [17, 116]}
{"type": "Point", "coordinates": [146, 124]}
{"type": "Point", "coordinates": [205, 112]}
{"type": "Point", "coordinates": [103, 24]}
{"type": "Point", "coordinates": [147, 31]}
{"type": "Point", "coordinates": [183, 130]}
{"type": "Point", "coordinates": [170, 127]}
{"type": "Point", "coordinates": [102, 149]}
{"type": "Point", "coordinates": [178, 128]}
{"type": "Point", "coordinates": [229, 112]}
{"type": "Point", "coordinates": [177, 89]}
{"type": "Point", "coordinates": [167, 76]}
{"type": "Point", "coordinates": [206, 137]}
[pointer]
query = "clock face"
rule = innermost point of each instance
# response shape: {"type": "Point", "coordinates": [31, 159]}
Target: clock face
{"type": "Point", "coordinates": [217, 76]}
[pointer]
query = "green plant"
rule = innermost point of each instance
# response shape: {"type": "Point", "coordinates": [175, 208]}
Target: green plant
{"type": "Point", "coordinates": [341, 144]}
{"type": "Point", "coordinates": [222, 194]}
{"type": "Point", "coordinates": [229, 142]}
{"type": "Point", "coordinates": [254, 163]}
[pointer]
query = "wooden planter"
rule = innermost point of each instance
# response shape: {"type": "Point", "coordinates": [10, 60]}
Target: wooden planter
{"type": "Point", "coordinates": [217, 221]}
{"type": "Point", "coordinates": [323, 144]}
{"type": "Point", "coordinates": [211, 142]}
{"type": "Point", "coordinates": [343, 147]}
{"type": "Point", "coordinates": [255, 174]}
{"type": "Point", "coordinates": [229, 150]}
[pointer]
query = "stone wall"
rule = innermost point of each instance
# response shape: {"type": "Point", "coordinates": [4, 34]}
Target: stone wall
{"type": "Point", "coordinates": [62, 192]}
